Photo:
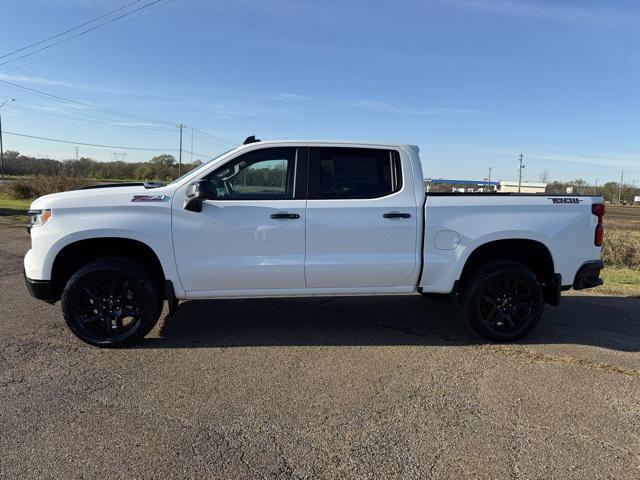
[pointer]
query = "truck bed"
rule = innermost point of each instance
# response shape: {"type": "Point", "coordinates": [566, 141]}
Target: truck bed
{"type": "Point", "coordinates": [458, 223]}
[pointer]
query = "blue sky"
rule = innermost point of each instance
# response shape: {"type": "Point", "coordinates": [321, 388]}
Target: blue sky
{"type": "Point", "coordinates": [472, 82]}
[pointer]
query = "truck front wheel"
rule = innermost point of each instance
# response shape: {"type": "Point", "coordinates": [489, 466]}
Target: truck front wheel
{"type": "Point", "coordinates": [502, 301]}
{"type": "Point", "coordinates": [111, 301]}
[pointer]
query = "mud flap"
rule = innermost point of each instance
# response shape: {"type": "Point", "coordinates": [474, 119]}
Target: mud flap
{"type": "Point", "coordinates": [170, 294]}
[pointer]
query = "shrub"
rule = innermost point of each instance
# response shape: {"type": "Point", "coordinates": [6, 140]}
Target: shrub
{"type": "Point", "coordinates": [33, 187]}
{"type": "Point", "coordinates": [622, 248]}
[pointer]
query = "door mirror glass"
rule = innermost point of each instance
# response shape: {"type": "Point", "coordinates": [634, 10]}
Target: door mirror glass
{"type": "Point", "coordinates": [197, 192]}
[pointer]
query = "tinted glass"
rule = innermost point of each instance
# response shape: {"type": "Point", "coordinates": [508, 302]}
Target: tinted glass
{"type": "Point", "coordinates": [353, 173]}
{"type": "Point", "coordinates": [261, 175]}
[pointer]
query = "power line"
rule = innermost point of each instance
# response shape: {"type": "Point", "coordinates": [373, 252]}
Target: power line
{"type": "Point", "coordinates": [215, 143]}
{"type": "Point", "coordinates": [69, 30]}
{"type": "Point", "coordinates": [84, 104]}
{"type": "Point", "coordinates": [156, 121]}
{"type": "Point", "coordinates": [220, 139]}
{"type": "Point", "coordinates": [95, 34]}
{"type": "Point", "coordinates": [80, 33]}
{"type": "Point", "coordinates": [84, 119]}
{"type": "Point", "coordinates": [208, 156]}
{"type": "Point", "coordinates": [92, 144]}
{"type": "Point", "coordinates": [118, 147]}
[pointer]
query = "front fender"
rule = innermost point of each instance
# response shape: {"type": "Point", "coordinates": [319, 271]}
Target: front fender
{"type": "Point", "coordinates": [47, 243]}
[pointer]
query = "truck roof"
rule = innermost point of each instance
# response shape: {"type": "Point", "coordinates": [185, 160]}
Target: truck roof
{"type": "Point", "coordinates": [335, 142]}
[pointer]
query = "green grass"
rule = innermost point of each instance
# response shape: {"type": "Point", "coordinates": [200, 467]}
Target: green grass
{"type": "Point", "coordinates": [13, 212]}
{"type": "Point", "coordinates": [620, 281]}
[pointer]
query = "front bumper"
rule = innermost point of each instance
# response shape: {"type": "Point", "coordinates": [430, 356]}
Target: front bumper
{"type": "Point", "coordinates": [588, 275]}
{"type": "Point", "coordinates": [40, 289]}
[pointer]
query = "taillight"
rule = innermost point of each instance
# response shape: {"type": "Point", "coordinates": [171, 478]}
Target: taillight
{"type": "Point", "coordinates": [598, 210]}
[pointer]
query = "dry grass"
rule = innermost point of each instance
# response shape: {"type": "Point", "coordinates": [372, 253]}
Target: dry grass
{"type": "Point", "coordinates": [622, 237]}
{"type": "Point", "coordinates": [34, 187]}
{"type": "Point", "coordinates": [622, 248]}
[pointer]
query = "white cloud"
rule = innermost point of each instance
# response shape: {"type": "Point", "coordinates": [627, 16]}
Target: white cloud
{"type": "Point", "coordinates": [388, 108]}
{"type": "Point", "coordinates": [291, 97]}
{"type": "Point", "coordinates": [551, 11]}
{"type": "Point", "coordinates": [48, 82]}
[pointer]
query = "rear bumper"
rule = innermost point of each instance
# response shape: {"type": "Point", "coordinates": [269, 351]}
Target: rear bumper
{"type": "Point", "coordinates": [588, 275]}
{"type": "Point", "coordinates": [40, 289]}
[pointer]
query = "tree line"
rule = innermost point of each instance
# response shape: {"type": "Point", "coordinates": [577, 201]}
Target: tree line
{"type": "Point", "coordinates": [161, 167]}
{"type": "Point", "coordinates": [611, 191]}
{"type": "Point", "coordinates": [165, 168]}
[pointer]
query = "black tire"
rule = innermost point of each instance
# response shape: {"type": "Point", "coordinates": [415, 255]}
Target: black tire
{"type": "Point", "coordinates": [111, 301]}
{"type": "Point", "coordinates": [502, 301]}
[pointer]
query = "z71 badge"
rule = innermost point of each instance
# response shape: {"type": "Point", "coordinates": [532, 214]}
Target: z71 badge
{"type": "Point", "coordinates": [149, 198]}
{"type": "Point", "coordinates": [565, 199]}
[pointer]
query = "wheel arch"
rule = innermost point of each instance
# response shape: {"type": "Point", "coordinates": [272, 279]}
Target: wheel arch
{"type": "Point", "coordinates": [78, 253]}
{"type": "Point", "coordinates": [533, 254]}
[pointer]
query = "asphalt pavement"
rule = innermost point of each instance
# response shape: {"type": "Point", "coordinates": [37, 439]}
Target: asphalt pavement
{"type": "Point", "coordinates": [367, 387]}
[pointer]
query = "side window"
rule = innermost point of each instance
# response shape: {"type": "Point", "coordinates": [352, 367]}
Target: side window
{"type": "Point", "coordinates": [336, 173]}
{"type": "Point", "coordinates": [265, 174]}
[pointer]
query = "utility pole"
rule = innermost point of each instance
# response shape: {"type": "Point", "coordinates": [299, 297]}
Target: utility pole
{"type": "Point", "coordinates": [620, 191]}
{"type": "Point", "coordinates": [76, 154]}
{"type": "Point", "coordinates": [1, 147]}
{"type": "Point", "coordinates": [191, 145]}
{"type": "Point", "coordinates": [520, 174]}
{"type": "Point", "coordinates": [180, 156]}
{"type": "Point", "coordinates": [595, 188]}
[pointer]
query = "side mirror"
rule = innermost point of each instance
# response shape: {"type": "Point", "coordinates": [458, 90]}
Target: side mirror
{"type": "Point", "coordinates": [197, 192]}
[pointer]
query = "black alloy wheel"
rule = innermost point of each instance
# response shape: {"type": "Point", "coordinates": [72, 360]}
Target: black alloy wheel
{"type": "Point", "coordinates": [506, 303]}
{"type": "Point", "coordinates": [502, 300]}
{"type": "Point", "coordinates": [111, 301]}
{"type": "Point", "coordinates": [108, 306]}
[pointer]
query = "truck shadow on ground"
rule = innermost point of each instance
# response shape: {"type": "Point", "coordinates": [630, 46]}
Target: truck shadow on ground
{"type": "Point", "coordinates": [607, 322]}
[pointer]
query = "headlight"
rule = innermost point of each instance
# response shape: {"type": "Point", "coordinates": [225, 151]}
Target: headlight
{"type": "Point", "coordinates": [38, 217]}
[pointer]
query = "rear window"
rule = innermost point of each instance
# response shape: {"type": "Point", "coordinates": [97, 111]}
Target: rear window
{"type": "Point", "coordinates": [339, 172]}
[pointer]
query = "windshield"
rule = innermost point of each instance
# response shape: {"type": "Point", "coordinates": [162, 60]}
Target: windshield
{"type": "Point", "coordinates": [200, 167]}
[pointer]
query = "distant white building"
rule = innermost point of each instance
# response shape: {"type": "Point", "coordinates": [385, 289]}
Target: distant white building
{"type": "Point", "coordinates": [526, 187]}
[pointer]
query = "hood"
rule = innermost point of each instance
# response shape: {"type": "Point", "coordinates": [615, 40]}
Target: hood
{"type": "Point", "coordinates": [98, 197]}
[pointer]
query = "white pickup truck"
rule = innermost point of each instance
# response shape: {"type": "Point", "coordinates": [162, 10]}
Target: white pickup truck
{"type": "Point", "coordinates": [283, 219]}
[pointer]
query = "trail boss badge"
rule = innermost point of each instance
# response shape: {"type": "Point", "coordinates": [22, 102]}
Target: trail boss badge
{"type": "Point", "coordinates": [565, 199]}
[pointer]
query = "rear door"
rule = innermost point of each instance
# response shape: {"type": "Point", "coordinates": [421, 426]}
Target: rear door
{"type": "Point", "coordinates": [361, 219]}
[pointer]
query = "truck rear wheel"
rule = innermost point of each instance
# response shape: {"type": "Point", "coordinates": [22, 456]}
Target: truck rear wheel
{"type": "Point", "coordinates": [502, 301]}
{"type": "Point", "coordinates": [111, 301]}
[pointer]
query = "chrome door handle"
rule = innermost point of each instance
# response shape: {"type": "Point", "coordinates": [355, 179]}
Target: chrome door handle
{"type": "Point", "coordinates": [396, 215]}
{"type": "Point", "coordinates": [284, 216]}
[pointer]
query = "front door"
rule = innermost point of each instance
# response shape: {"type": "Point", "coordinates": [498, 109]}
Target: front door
{"type": "Point", "coordinates": [250, 237]}
{"type": "Point", "coordinates": [361, 219]}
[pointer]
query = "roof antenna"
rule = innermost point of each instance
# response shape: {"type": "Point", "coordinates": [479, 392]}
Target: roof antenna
{"type": "Point", "coordinates": [250, 139]}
